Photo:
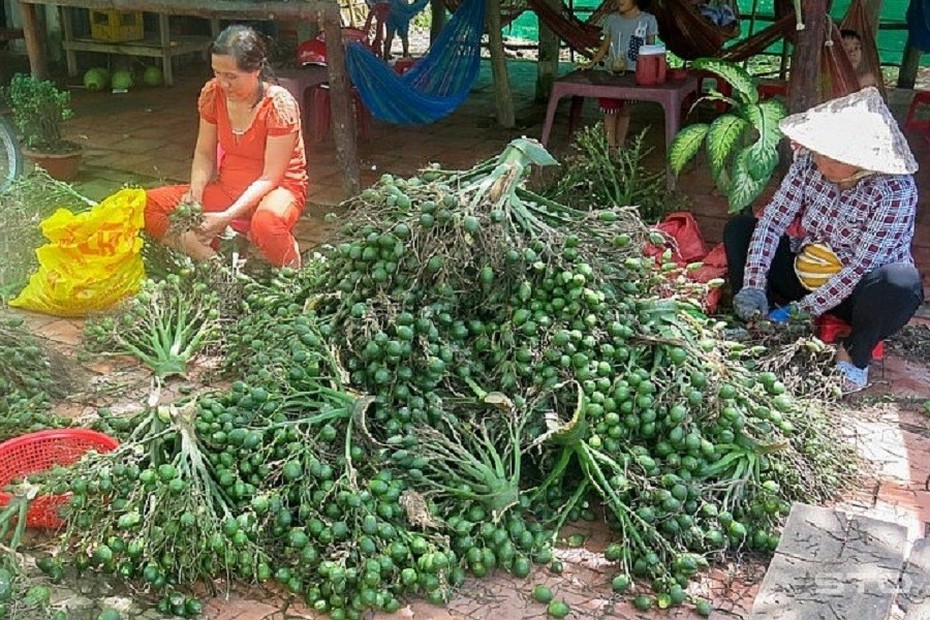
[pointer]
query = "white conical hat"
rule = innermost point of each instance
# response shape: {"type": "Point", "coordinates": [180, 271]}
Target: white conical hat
{"type": "Point", "coordinates": [857, 129]}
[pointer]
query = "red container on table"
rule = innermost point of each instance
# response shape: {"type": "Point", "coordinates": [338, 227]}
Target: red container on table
{"type": "Point", "coordinates": [651, 65]}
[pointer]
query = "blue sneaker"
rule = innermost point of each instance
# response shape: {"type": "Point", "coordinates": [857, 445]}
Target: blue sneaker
{"type": "Point", "coordinates": [852, 378]}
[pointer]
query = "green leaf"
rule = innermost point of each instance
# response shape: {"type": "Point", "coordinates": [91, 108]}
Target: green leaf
{"type": "Point", "coordinates": [744, 85]}
{"type": "Point", "coordinates": [764, 118]}
{"type": "Point", "coordinates": [763, 154]}
{"type": "Point", "coordinates": [724, 181]}
{"type": "Point", "coordinates": [535, 152]}
{"type": "Point", "coordinates": [714, 95]}
{"type": "Point", "coordinates": [722, 137]}
{"type": "Point", "coordinates": [685, 146]}
{"type": "Point", "coordinates": [761, 160]}
{"type": "Point", "coordinates": [744, 189]}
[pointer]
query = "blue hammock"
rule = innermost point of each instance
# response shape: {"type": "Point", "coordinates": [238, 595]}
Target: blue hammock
{"type": "Point", "coordinates": [918, 23]}
{"type": "Point", "coordinates": [435, 85]}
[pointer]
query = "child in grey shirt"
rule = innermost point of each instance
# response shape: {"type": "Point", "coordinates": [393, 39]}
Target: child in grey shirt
{"type": "Point", "coordinates": [624, 33]}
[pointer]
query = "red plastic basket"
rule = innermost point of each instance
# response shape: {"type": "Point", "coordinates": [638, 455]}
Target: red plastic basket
{"type": "Point", "coordinates": [36, 452]}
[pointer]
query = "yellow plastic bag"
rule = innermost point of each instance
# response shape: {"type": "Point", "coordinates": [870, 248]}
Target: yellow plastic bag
{"type": "Point", "coordinates": [92, 260]}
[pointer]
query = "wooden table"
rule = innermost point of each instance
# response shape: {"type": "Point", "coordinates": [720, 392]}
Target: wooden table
{"type": "Point", "coordinates": [592, 83]}
{"type": "Point", "coordinates": [10, 34]}
{"type": "Point", "coordinates": [162, 45]}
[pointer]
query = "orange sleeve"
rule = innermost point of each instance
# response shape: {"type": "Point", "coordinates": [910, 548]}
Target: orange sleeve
{"type": "Point", "coordinates": [206, 103]}
{"type": "Point", "coordinates": [283, 115]}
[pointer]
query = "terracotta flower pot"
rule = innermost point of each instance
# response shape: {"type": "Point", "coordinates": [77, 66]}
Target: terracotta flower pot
{"type": "Point", "coordinates": [61, 166]}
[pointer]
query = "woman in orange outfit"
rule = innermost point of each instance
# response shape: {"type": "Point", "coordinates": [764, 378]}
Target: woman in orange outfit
{"type": "Point", "coordinates": [262, 177]}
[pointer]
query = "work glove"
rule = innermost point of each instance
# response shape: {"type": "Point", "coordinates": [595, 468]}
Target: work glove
{"type": "Point", "coordinates": [791, 312]}
{"type": "Point", "coordinates": [780, 315]}
{"type": "Point", "coordinates": [750, 303]}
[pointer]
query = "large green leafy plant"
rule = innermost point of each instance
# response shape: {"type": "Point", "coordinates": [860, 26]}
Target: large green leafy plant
{"type": "Point", "coordinates": [39, 109]}
{"type": "Point", "coordinates": [741, 144]}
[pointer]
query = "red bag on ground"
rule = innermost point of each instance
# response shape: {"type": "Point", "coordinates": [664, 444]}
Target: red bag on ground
{"type": "Point", "coordinates": [830, 328]}
{"type": "Point", "coordinates": [687, 245]}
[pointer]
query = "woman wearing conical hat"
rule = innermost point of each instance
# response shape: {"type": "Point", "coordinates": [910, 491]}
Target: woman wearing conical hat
{"type": "Point", "coordinates": [852, 187]}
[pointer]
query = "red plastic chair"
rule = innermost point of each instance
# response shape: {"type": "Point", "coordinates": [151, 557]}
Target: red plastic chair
{"type": "Point", "coordinates": [314, 52]}
{"type": "Point", "coordinates": [402, 65]}
{"type": "Point", "coordinates": [772, 88]}
{"type": "Point", "coordinates": [921, 97]}
{"type": "Point", "coordinates": [350, 35]}
{"type": "Point", "coordinates": [311, 52]}
{"type": "Point", "coordinates": [321, 114]}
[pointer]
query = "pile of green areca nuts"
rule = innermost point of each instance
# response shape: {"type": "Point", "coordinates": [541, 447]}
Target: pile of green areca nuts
{"type": "Point", "coordinates": [466, 369]}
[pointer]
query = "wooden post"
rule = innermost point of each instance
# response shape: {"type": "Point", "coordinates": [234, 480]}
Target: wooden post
{"type": "Point", "coordinates": [503, 97]}
{"type": "Point", "coordinates": [35, 48]}
{"type": "Point", "coordinates": [804, 85]}
{"type": "Point", "coordinates": [340, 102]}
{"type": "Point", "coordinates": [548, 64]}
{"type": "Point", "coordinates": [67, 27]}
{"type": "Point", "coordinates": [437, 18]}
{"type": "Point", "coordinates": [910, 62]}
{"type": "Point", "coordinates": [164, 40]}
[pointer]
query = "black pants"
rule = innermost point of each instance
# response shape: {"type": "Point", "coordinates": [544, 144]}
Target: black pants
{"type": "Point", "coordinates": [881, 303]}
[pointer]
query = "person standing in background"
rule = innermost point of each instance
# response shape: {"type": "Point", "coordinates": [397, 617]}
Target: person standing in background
{"type": "Point", "coordinates": [625, 31]}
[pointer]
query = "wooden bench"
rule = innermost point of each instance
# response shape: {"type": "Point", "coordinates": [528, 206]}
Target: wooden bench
{"type": "Point", "coordinates": [10, 34]}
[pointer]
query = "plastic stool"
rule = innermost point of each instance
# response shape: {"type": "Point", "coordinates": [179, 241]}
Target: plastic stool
{"type": "Point", "coordinates": [402, 65]}
{"type": "Point", "coordinates": [830, 328]}
{"type": "Point", "coordinates": [722, 86]}
{"type": "Point", "coordinates": [321, 118]}
{"type": "Point", "coordinates": [298, 81]}
{"type": "Point", "coordinates": [911, 122]}
{"type": "Point", "coordinates": [769, 89]}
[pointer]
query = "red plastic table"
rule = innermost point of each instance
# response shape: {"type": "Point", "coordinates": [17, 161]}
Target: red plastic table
{"type": "Point", "coordinates": [593, 83]}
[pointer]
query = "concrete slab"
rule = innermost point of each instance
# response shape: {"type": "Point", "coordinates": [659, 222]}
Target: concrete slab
{"type": "Point", "coordinates": [830, 565]}
{"type": "Point", "coordinates": [914, 596]}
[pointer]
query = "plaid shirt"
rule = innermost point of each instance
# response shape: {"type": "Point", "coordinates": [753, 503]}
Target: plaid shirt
{"type": "Point", "coordinates": [868, 226]}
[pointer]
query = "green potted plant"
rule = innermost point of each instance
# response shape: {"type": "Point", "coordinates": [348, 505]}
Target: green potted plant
{"type": "Point", "coordinates": [39, 109]}
{"type": "Point", "coordinates": [741, 144]}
